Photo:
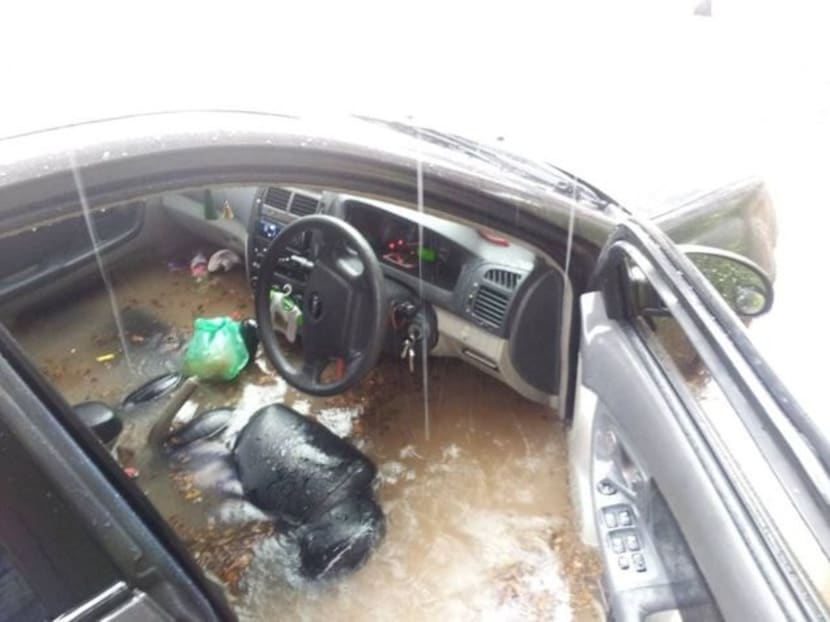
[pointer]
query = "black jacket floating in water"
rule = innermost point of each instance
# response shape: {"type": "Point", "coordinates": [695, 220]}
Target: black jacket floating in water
{"type": "Point", "coordinates": [314, 482]}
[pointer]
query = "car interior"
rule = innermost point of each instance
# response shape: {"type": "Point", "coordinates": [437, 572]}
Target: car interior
{"type": "Point", "coordinates": [444, 458]}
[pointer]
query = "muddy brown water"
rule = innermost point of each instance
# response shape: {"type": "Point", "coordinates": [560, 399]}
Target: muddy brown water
{"type": "Point", "coordinates": [479, 524]}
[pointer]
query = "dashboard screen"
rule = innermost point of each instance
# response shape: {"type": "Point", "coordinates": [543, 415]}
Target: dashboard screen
{"type": "Point", "coordinates": [396, 242]}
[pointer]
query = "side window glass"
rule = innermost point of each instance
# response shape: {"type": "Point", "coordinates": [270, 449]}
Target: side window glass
{"type": "Point", "coordinates": [678, 354]}
{"type": "Point", "coordinates": [657, 322]}
{"type": "Point", "coordinates": [680, 349]}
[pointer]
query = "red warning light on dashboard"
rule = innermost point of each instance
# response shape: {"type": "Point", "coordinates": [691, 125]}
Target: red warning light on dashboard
{"type": "Point", "coordinates": [493, 238]}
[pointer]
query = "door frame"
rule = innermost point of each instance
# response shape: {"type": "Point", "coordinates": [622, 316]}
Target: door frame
{"type": "Point", "coordinates": [140, 543]}
{"type": "Point", "coordinates": [751, 390]}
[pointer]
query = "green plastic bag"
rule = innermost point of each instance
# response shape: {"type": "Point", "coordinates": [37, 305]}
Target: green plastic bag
{"type": "Point", "coordinates": [216, 351]}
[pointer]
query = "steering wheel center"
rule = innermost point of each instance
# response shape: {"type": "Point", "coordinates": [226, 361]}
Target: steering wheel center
{"type": "Point", "coordinates": [343, 308]}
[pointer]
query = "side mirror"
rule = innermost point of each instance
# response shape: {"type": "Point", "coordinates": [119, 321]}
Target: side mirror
{"type": "Point", "coordinates": [744, 285]}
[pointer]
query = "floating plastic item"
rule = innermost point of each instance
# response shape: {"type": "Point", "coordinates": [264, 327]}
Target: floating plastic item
{"type": "Point", "coordinates": [198, 265]}
{"type": "Point", "coordinates": [286, 313]}
{"type": "Point", "coordinates": [216, 351]}
{"type": "Point", "coordinates": [224, 260]}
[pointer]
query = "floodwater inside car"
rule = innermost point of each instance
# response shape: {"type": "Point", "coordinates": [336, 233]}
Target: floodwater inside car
{"type": "Point", "coordinates": [478, 521]}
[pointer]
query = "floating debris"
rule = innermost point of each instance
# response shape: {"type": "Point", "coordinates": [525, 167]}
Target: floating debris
{"type": "Point", "coordinates": [204, 426]}
{"type": "Point", "coordinates": [154, 389]}
{"type": "Point", "coordinates": [225, 552]}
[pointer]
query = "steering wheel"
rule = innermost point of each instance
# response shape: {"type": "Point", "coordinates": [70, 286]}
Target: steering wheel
{"type": "Point", "coordinates": [343, 302]}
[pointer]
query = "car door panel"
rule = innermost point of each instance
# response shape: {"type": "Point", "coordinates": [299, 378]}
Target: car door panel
{"type": "Point", "coordinates": [44, 252]}
{"type": "Point", "coordinates": [637, 446]}
{"type": "Point", "coordinates": [652, 448]}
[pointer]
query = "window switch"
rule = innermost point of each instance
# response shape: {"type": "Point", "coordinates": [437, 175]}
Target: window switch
{"type": "Point", "coordinates": [632, 543]}
{"type": "Point", "coordinates": [625, 518]}
{"type": "Point", "coordinates": [617, 544]}
{"type": "Point", "coordinates": [639, 562]}
{"type": "Point", "coordinates": [610, 519]}
{"type": "Point", "coordinates": [623, 562]}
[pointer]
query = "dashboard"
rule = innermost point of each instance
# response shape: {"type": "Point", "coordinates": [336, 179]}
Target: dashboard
{"type": "Point", "coordinates": [408, 246]}
{"type": "Point", "coordinates": [455, 267]}
{"type": "Point", "coordinates": [496, 304]}
{"type": "Point", "coordinates": [499, 306]}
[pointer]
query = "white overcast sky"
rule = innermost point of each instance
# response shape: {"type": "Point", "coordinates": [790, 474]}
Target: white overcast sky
{"type": "Point", "coordinates": [585, 83]}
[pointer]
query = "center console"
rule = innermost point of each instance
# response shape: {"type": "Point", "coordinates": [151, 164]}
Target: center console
{"type": "Point", "coordinates": [266, 225]}
{"type": "Point", "coordinates": [274, 209]}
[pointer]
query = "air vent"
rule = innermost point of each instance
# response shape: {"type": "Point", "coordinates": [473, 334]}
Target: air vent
{"type": "Point", "coordinates": [503, 278]}
{"type": "Point", "coordinates": [303, 205]}
{"type": "Point", "coordinates": [277, 198]}
{"type": "Point", "coordinates": [490, 305]}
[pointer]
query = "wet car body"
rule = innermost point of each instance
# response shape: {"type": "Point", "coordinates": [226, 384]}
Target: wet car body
{"type": "Point", "coordinates": [622, 477]}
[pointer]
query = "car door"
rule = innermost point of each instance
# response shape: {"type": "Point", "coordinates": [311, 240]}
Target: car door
{"type": "Point", "coordinates": [78, 541]}
{"type": "Point", "coordinates": [57, 253]}
{"type": "Point", "coordinates": [698, 478]}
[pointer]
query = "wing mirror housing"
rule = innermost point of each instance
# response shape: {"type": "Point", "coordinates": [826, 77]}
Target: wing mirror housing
{"type": "Point", "coordinates": [743, 284]}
